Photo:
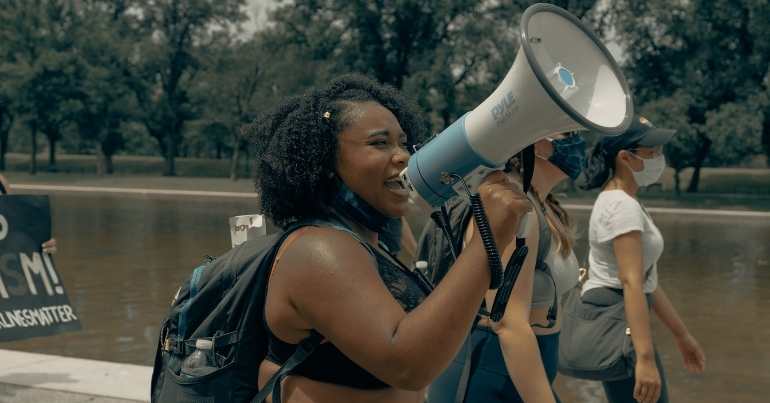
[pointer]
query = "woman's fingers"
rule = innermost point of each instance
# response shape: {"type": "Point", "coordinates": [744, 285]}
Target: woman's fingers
{"type": "Point", "coordinates": [646, 393]}
{"type": "Point", "coordinates": [49, 246]}
{"type": "Point", "coordinates": [504, 205]}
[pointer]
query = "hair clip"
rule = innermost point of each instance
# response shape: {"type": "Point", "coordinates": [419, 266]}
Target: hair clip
{"type": "Point", "coordinates": [327, 115]}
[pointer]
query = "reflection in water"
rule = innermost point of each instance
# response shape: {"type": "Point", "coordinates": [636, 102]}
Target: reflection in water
{"type": "Point", "coordinates": [122, 258]}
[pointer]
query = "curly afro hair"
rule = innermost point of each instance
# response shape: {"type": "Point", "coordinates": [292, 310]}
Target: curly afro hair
{"type": "Point", "coordinates": [297, 145]}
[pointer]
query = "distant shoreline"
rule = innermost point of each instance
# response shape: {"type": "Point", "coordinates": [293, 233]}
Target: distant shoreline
{"type": "Point", "coordinates": [586, 206]}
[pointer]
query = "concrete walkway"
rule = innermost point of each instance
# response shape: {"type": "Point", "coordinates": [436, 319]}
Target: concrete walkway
{"type": "Point", "coordinates": [27, 378]}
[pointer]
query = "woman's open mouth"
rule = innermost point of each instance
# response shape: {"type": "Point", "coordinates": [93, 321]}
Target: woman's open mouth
{"type": "Point", "coordinates": [395, 186]}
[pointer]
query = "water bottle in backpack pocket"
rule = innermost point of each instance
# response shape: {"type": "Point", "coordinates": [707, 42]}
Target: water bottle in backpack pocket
{"type": "Point", "coordinates": [201, 362]}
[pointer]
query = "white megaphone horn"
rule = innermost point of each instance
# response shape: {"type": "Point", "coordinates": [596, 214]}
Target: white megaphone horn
{"type": "Point", "coordinates": [563, 79]}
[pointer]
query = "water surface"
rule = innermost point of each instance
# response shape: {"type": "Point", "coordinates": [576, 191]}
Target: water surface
{"type": "Point", "coordinates": [123, 256]}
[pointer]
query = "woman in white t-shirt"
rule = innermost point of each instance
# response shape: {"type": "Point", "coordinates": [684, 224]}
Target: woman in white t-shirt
{"type": "Point", "coordinates": [625, 246]}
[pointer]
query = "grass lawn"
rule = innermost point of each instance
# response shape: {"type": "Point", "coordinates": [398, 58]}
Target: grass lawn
{"type": "Point", "coordinates": [738, 188]}
{"type": "Point", "coordinates": [128, 165]}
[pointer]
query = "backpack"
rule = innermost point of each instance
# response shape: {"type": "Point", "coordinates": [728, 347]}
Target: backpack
{"type": "Point", "coordinates": [435, 247]}
{"type": "Point", "coordinates": [223, 301]}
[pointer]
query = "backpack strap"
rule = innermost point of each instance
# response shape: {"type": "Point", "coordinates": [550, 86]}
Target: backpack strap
{"type": "Point", "coordinates": [543, 249]}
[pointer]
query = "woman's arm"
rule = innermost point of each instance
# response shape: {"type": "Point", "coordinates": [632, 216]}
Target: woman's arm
{"type": "Point", "coordinates": [692, 354]}
{"type": "Point", "coordinates": [628, 252]}
{"type": "Point", "coordinates": [517, 340]}
{"type": "Point", "coordinates": [332, 284]}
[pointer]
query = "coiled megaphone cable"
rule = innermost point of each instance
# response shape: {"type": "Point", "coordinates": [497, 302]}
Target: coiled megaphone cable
{"type": "Point", "coordinates": [503, 281]}
{"type": "Point", "coordinates": [482, 222]}
{"type": "Point", "coordinates": [493, 256]}
{"type": "Point", "coordinates": [515, 263]}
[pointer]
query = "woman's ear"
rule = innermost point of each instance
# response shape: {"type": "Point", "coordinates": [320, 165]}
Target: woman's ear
{"type": "Point", "coordinates": [626, 158]}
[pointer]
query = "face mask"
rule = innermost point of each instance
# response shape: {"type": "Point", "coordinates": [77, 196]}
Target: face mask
{"type": "Point", "coordinates": [569, 155]}
{"type": "Point", "coordinates": [651, 172]}
{"type": "Point", "coordinates": [389, 229]}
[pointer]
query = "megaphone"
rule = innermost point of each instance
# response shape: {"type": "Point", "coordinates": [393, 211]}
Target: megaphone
{"type": "Point", "coordinates": [563, 79]}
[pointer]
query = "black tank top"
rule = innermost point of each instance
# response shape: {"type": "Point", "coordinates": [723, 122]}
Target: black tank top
{"type": "Point", "coordinates": [327, 363]}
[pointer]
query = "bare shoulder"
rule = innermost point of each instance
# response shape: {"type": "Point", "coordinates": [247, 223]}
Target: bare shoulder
{"type": "Point", "coordinates": [320, 251]}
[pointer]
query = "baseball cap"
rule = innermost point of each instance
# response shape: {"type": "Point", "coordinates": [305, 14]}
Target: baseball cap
{"type": "Point", "coordinates": [641, 132]}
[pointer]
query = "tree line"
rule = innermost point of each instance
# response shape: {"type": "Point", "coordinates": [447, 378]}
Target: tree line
{"type": "Point", "coordinates": [180, 77]}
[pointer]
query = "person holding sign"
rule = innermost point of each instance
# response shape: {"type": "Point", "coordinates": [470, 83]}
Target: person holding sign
{"type": "Point", "coordinates": [48, 246]}
{"type": "Point", "coordinates": [33, 301]}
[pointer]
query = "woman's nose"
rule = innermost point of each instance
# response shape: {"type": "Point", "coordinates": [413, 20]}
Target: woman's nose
{"type": "Point", "coordinates": [401, 156]}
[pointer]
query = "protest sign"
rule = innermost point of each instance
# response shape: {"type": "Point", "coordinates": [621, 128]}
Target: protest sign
{"type": "Point", "coordinates": [32, 297]}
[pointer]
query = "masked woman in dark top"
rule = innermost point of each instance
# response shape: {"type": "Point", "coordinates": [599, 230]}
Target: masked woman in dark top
{"type": "Point", "coordinates": [336, 152]}
{"type": "Point", "coordinates": [515, 360]}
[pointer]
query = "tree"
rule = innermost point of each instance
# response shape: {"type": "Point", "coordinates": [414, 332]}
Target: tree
{"type": "Point", "coordinates": [104, 38]}
{"type": "Point", "coordinates": [712, 53]}
{"type": "Point", "coordinates": [37, 38]}
{"type": "Point", "coordinates": [228, 89]}
{"type": "Point", "coordinates": [167, 64]}
{"type": "Point", "coordinates": [733, 129]}
{"type": "Point", "coordinates": [7, 115]}
{"type": "Point", "coordinates": [449, 54]}
{"type": "Point", "coordinates": [49, 97]}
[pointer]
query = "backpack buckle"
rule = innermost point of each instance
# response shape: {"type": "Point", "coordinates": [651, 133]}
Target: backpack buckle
{"type": "Point", "coordinates": [168, 345]}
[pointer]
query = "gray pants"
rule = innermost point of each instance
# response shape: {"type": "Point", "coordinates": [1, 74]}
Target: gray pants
{"type": "Point", "coordinates": [622, 391]}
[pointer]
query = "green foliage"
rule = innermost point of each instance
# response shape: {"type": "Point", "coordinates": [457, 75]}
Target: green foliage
{"type": "Point", "coordinates": [174, 77]}
{"type": "Point", "coordinates": [168, 62]}
{"type": "Point", "coordinates": [734, 129]}
{"type": "Point", "coordinates": [671, 112]}
{"type": "Point", "coordinates": [711, 55]}
{"type": "Point", "coordinates": [107, 100]}
{"type": "Point", "coordinates": [41, 67]}
{"type": "Point", "coordinates": [448, 54]}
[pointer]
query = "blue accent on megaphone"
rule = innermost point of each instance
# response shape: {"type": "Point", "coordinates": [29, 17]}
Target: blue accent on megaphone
{"type": "Point", "coordinates": [566, 77]}
{"type": "Point", "coordinates": [449, 152]}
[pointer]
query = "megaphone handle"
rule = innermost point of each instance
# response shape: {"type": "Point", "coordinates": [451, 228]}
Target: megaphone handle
{"type": "Point", "coordinates": [512, 271]}
{"type": "Point", "coordinates": [493, 256]}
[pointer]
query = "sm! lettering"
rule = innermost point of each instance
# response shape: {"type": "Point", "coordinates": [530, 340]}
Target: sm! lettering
{"type": "Point", "coordinates": [22, 274]}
